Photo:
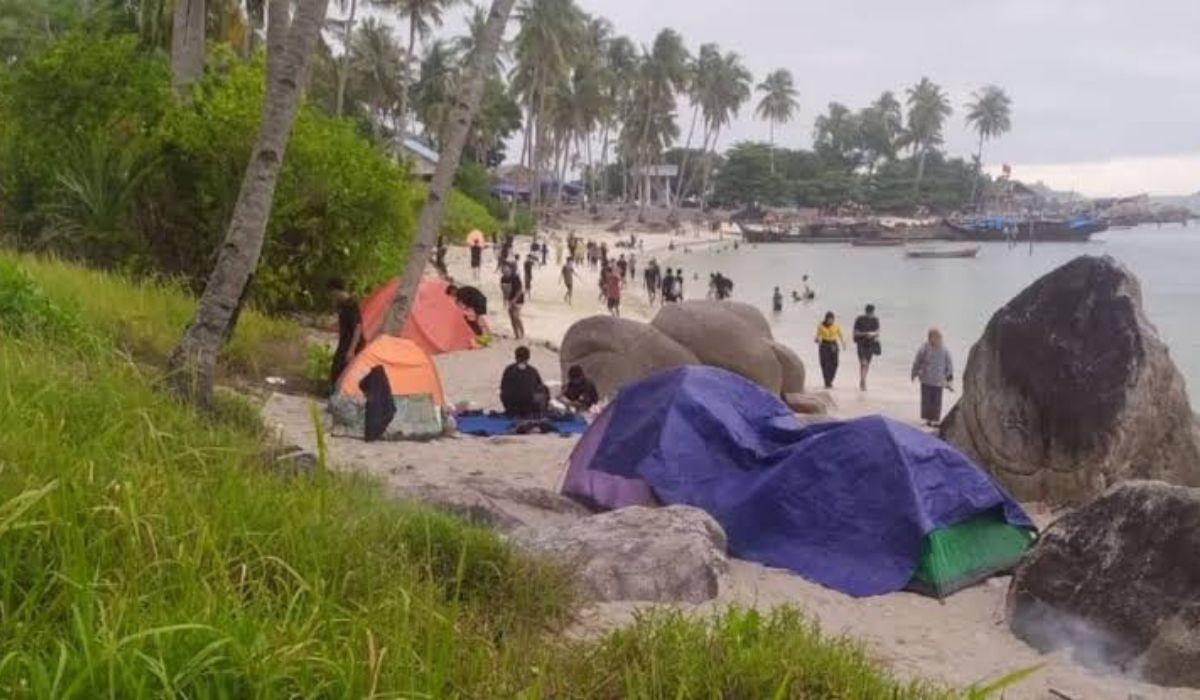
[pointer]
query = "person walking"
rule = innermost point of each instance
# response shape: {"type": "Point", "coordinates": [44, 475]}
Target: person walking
{"type": "Point", "coordinates": [829, 342]}
{"type": "Point", "coordinates": [611, 285]}
{"type": "Point", "coordinates": [934, 368]}
{"type": "Point", "coordinates": [529, 263]}
{"type": "Point", "coordinates": [568, 280]}
{"type": "Point", "coordinates": [866, 340]}
{"type": "Point", "coordinates": [777, 301]}
{"type": "Point", "coordinates": [514, 299]}
{"type": "Point", "coordinates": [668, 287]}
{"type": "Point", "coordinates": [476, 258]}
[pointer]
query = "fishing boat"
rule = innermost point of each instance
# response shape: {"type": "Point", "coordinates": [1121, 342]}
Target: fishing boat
{"type": "Point", "coordinates": [876, 243]}
{"type": "Point", "coordinates": [763, 233]}
{"type": "Point", "coordinates": [941, 253]}
{"type": "Point", "coordinates": [1004, 229]}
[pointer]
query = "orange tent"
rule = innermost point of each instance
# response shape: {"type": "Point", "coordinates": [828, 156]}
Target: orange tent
{"type": "Point", "coordinates": [476, 235]}
{"type": "Point", "coordinates": [410, 371]}
{"type": "Point", "coordinates": [436, 323]}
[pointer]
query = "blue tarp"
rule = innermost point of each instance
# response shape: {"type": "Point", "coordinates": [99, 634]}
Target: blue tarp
{"type": "Point", "coordinates": [845, 504]}
{"type": "Point", "coordinates": [486, 426]}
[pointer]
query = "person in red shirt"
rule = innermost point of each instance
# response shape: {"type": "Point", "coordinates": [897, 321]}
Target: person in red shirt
{"type": "Point", "coordinates": [612, 291]}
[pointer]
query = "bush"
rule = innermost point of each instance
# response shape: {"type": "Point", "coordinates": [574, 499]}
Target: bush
{"type": "Point", "coordinates": [522, 222]}
{"type": "Point", "coordinates": [98, 162]}
{"type": "Point", "coordinates": [463, 215]}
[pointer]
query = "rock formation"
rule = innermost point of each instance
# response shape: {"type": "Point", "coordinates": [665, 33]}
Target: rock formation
{"type": "Point", "coordinates": [1070, 390]}
{"type": "Point", "coordinates": [667, 555]}
{"type": "Point", "coordinates": [731, 335]}
{"type": "Point", "coordinates": [1119, 582]}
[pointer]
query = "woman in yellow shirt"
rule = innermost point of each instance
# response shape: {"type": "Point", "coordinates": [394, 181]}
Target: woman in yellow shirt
{"type": "Point", "coordinates": [829, 339]}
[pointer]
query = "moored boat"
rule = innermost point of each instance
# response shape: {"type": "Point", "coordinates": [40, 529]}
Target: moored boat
{"type": "Point", "coordinates": [941, 253]}
{"type": "Point", "coordinates": [876, 243]}
{"type": "Point", "coordinates": [1003, 229]}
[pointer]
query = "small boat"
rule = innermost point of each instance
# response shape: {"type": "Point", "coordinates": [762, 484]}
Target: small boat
{"type": "Point", "coordinates": [876, 242]}
{"type": "Point", "coordinates": [941, 253]}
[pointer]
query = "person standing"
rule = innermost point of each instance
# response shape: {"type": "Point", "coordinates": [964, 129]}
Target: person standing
{"type": "Point", "coordinates": [777, 301]}
{"type": "Point", "coordinates": [439, 259]}
{"type": "Point", "coordinates": [350, 330]}
{"type": "Point", "coordinates": [934, 368]}
{"type": "Point", "coordinates": [829, 342]}
{"type": "Point", "coordinates": [668, 287]}
{"type": "Point", "coordinates": [622, 266]}
{"type": "Point", "coordinates": [866, 339]}
{"type": "Point", "coordinates": [650, 279]}
{"type": "Point", "coordinates": [568, 280]}
{"type": "Point", "coordinates": [514, 299]}
{"type": "Point", "coordinates": [678, 287]}
{"type": "Point", "coordinates": [529, 263]}
{"type": "Point", "coordinates": [476, 258]}
{"type": "Point", "coordinates": [611, 286]}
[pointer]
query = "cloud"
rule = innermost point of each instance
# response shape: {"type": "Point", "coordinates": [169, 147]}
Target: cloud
{"type": "Point", "coordinates": [1165, 175]}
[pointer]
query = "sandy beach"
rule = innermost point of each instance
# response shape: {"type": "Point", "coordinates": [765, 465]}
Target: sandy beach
{"type": "Point", "coordinates": [961, 640]}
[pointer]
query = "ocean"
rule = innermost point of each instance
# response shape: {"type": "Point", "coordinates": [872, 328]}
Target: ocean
{"type": "Point", "coordinates": [958, 296]}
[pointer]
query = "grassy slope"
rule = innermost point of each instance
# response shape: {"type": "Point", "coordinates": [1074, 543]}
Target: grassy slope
{"type": "Point", "coordinates": [145, 551]}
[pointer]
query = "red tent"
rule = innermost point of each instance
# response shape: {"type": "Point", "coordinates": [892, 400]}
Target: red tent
{"type": "Point", "coordinates": [436, 324]}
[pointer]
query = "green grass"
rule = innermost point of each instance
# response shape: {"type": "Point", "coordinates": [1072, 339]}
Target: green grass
{"type": "Point", "coordinates": [148, 551]}
{"type": "Point", "coordinates": [146, 318]}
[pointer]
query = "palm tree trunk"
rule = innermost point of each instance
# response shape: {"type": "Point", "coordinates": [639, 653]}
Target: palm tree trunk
{"type": "Point", "coordinates": [290, 43]}
{"type": "Point", "coordinates": [466, 104]}
{"type": "Point", "coordinates": [683, 171]}
{"type": "Point", "coordinates": [187, 45]}
{"type": "Point", "coordinates": [539, 140]}
{"type": "Point", "coordinates": [772, 147]}
{"type": "Point", "coordinates": [708, 169]}
{"type": "Point", "coordinates": [402, 120]}
{"type": "Point", "coordinates": [978, 174]}
{"type": "Point", "coordinates": [344, 61]}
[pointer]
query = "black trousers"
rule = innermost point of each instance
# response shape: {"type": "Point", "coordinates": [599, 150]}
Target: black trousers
{"type": "Point", "coordinates": [829, 362]}
{"type": "Point", "coordinates": [931, 403]}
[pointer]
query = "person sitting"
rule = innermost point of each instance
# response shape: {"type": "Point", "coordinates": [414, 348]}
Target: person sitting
{"type": "Point", "coordinates": [580, 392]}
{"type": "Point", "coordinates": [522, 391]}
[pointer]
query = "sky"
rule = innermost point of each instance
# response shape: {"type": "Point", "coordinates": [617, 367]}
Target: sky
{"type": "Point", "coordinates": [1106, 93]}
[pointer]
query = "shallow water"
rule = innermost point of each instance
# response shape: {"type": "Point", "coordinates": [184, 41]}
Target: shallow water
{"type": "Point", "coordinates": [958, 296]}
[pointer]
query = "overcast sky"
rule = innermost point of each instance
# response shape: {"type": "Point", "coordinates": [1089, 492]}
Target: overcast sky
{"type": "Point", "coordinates": [1106, 93]}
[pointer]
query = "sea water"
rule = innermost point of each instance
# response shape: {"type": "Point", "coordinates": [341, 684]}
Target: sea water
{"type": "Point", "coordinates": [958, 296]}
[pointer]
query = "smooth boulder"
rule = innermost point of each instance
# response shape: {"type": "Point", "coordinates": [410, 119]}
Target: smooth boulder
{"type": "Point", "coordinates": [665, 555]}
{"type": "Point", "coordinates": [1070, 390]}
{"type": "Point", "coordinates": [729, 335]}
{"type": "Point", "coordinates": [615, 351]}
{"type": "Point", "coordinates": [1118, 581]}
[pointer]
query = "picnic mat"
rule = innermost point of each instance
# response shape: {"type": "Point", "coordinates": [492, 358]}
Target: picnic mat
{"type": "Point", "coordinates": [485, 426]}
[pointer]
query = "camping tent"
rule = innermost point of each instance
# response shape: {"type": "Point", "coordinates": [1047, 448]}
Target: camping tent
{"type": "Point", "coordinates": [410, 371]}
{"type": "Point", "coordinates": [436, 323]}
{"type": "Point", "coordinates": [474, 237]}
{"type": "Point", "coordinates": [867, 506]}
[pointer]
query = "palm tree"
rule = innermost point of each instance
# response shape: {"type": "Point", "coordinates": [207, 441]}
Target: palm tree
{"type": "Point", "coordinates": [620, 66]}
{"type": "Point", "coordinates": [990, 114]}
{"type": "Point", "coordinates": [778, 104]}
{"type": "Point", "coordinates": [928, 108]}
{"type": "Point", "coordinates": [433, 93]}
{"type": "Point", "coordinates": [291, 39]}
{"type": "Point", "coordinates": [546, 49]}
{"type": "Point", "coordinates": [664, 74]}
{"type": "Point", "coordinates": [377, 70]}
{"type": "Point", "coordinates": [187, 44]}
{"type": "Point", "coordinates": [468, 44]}
{"type": "Point", "coordinates": [731, 90]}
{"type": "Point", "coordinates": [465, 107]}
{"type": "Point", "coordinates": [422, 17]}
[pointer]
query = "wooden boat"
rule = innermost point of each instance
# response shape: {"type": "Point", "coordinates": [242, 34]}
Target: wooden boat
{"type": "Point", "coordinates": [876, 243]}
{"type": "Point", "coordinates": [997, 229]}
{"type": "Point", "coordinates": [941, 253]}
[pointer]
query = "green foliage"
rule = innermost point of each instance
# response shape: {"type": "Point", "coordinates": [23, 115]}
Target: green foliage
{"type": "Point", "coordinates": [522, 222]}
{"type": "Point", "coordinates": [144, 318]}
{"type": "Point", "coordinates": [98, 162]}
{"type": "Point", "coordinates": [463, 215]}
{"type": "Point", "coordinates": [318, 359]}
{"type": "Point", "coordinates": [25, 308]}
{"type": "Point", "coordinates": [473, 180]}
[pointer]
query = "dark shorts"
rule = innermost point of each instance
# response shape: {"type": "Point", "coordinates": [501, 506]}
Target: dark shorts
{"type": "Point", "coordinates": [614, 304]}
{"type": "Point", "coordinates": [866, 352]}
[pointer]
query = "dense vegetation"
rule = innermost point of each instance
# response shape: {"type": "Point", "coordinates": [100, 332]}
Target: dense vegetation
{"type": "Point", "coordinates": [148, 551]}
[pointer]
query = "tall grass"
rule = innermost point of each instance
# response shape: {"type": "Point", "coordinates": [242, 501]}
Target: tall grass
{"type": "Point", "coordinates": [149, 551]}
{"type": "Point", "coordinates": [147, 318]}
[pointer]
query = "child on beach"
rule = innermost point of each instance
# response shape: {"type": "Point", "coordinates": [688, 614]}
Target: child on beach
{"type": "Point", "coordinates": [580, 392]}
{"type": "Point", "coordinates": [934, 368]}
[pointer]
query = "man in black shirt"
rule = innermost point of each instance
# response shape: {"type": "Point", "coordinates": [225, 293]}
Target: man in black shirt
{"type": "Point", "coordinates": [514, 299]}
{"type": "Point", "coordinates": [476, 258]}
{"type": "Point", "coordinates": [580, 392]}
{"type": "Point", "coordinates": [866, 338]}
{"type": "Point", "coordinates": [529, 262]}
{"type": "Point", "coordinates": [522, 391]}
{"type": "Point", "coordinates": [350, 330]}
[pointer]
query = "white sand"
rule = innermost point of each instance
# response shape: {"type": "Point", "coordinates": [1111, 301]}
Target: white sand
{"type": "Point", "coordinates": [962, 640]}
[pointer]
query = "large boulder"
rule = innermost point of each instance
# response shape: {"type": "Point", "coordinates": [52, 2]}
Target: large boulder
{"type": "Point", "coordinates": [725, 334]}
{"type": "Point", "coordinates": [493, 502]}
{"type": "Point", "coordinates": [614, 351]}
{"type": "Point", "coordinates": [667, 555]}
{"type": "Point", "coordinates": [1070, 390]}
{"type": "Point", "coordinates": [1118, 581]}
{"type": "Point", "coordinates": [791, 369]}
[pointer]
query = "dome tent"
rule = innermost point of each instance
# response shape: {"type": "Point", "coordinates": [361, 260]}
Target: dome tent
{"type": "Point", "coordinates": [867, 507]}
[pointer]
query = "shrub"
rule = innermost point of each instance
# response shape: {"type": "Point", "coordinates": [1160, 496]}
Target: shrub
{"type": "Point", "coordinates": [463, 215]}
{"type": "Point", "coordinates": [522, 222]}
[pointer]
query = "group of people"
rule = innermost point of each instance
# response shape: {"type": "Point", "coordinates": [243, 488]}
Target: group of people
{"type": "Point", "coordinates": [665, 287]}
{"type": "Point", "coordinates": [525, 396]}
{"type": "Point", "coordinates": [932, 367]}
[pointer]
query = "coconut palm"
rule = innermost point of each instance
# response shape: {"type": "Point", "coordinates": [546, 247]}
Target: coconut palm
{"type": "Point", "coordinates": [468, 44]}
{"type": "Point", "coordinates": [664, 73]}
{"type": "Point", "coordinates": [928, 108]}
{"type": "Point", "coordinates": [433, 93]}
{"type": "Point", "coordinates": [423, 16]}
{"type": "Point", "coordinates": [377, 70]}
{"type": "Point", "coordinates": [291, 38]}
{"type": "Point", "coordinates": [778, 104]}
{"type": "Point", "coordinates": [731, 90]}
{"type": "Point", "coordinates": [990, 114]}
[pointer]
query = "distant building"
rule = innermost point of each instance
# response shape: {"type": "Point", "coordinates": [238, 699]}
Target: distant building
{"type": "Point", "coordinates": [422, 159]}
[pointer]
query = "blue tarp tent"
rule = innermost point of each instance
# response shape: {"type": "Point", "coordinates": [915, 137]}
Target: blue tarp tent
{"type": "Point", "coordinates": [853, 505]}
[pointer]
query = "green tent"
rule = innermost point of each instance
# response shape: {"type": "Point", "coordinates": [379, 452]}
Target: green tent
{"type": "Point", "coordinates": [968, 552]}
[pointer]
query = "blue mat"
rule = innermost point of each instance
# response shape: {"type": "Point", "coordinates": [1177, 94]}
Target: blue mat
{"type": "Point", "coordinates": [486, 426]}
